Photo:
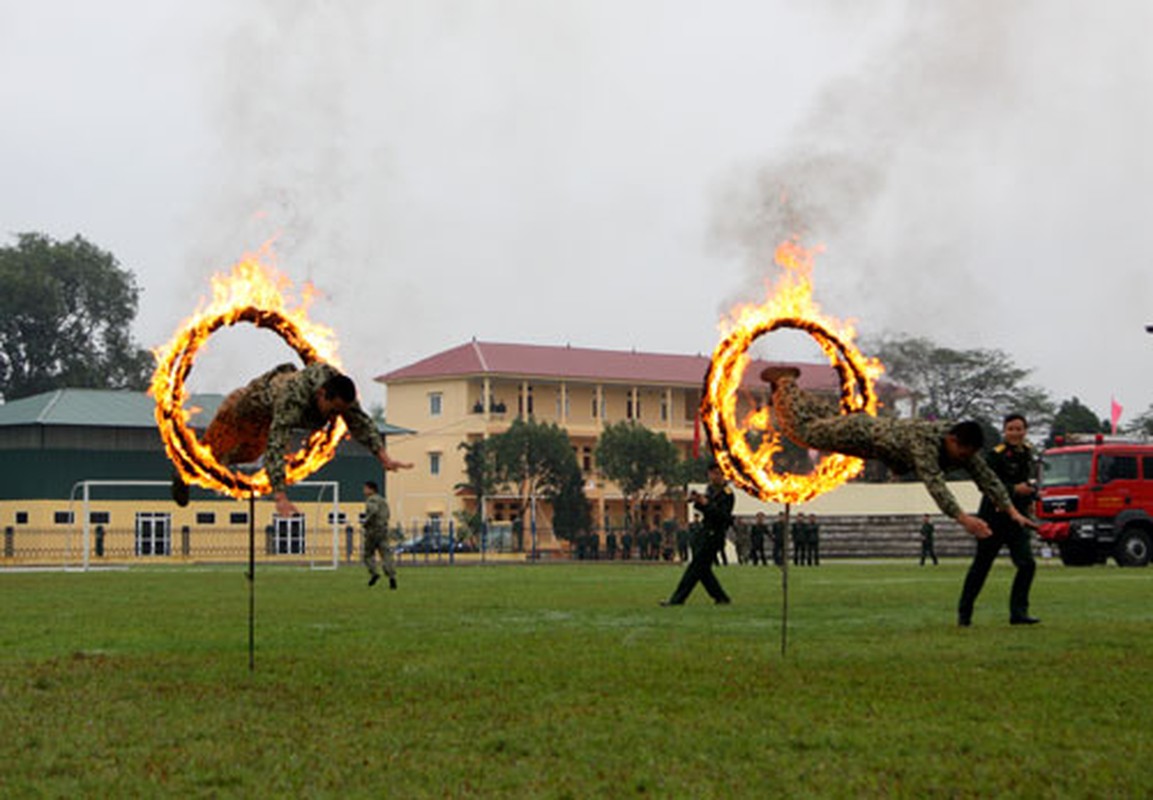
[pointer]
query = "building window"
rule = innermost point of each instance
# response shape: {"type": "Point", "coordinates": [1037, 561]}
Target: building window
{"type": "Point", "coordinates": [435, 403]}
{"type": "Point", "coordinates": [664, 408]}
{"type": "Point", "coordinates": [633, 406]}
{"type": "Point", "coordinates": [62, 517]}
{"type": "Point", "coordinates": [153, 534]}
{"type": "Point", "coordinates": [21, 517]}
{"type": "Point", "coordinates": [596, 408]}
{"type": "Point", "coordinates": [99, 517]}
{"type": "Point", "coordinates": [206, 518]}
{"type": "Point", "coordinates": [434, 463]}
{"type": "Point", "coordinates": [587, 459]}
{"type": "Point", "coordinates": [238, 518]}
{"type": "Point", "coordinates": [288, 535]}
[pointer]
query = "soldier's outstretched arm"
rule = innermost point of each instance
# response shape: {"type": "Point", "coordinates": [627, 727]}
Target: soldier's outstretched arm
{"type": "Point", "coordinates": [389, 463]}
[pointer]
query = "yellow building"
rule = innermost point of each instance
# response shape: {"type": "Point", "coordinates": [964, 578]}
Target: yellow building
{"type": "Point", "coordinates": [477, 389]}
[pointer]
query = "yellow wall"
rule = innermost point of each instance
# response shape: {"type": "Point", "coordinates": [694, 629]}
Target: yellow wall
{"type": "Point", "coordinates": [416, 494]}
{"type": "Point", "coordinates": [40, 538]}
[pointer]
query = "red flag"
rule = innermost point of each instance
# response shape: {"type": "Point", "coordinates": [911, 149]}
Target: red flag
{"type": "Point", "coordinates": [1115, 410]}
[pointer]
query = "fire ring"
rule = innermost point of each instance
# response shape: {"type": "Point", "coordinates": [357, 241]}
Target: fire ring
{"type": "Point", "coordinates": [752, 469]}
{"type": "Point", "coordinates": [194, 459]}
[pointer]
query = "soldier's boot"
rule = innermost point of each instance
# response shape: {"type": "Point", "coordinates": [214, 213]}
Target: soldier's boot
{"type": "Point", "coordinates": [392, 583]}
{"type": "Point", "coordinates": [375, 577]}
{"type": "Point", "coordinates": [180, 492]}
{"type": "Point", "coordinates": [772, 375]}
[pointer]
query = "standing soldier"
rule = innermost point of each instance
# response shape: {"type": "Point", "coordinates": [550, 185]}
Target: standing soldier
{"type": "Point", "coordinates": [610, 546]}
{"type": "Point", "coordinates": [800, 537]}
{"type": "Point", "coordinates": [744, 542]}
{"type": "Point", "coordinates": [376, 535]}
{"type": "Point", "coordinates": [1014, 463]}
{"type": "Point", "coordinates": [927, 531]}
{"type": "Point", "coordinates": [757, 534]}
{"type": "Point", "coordinates": [778, 532]}
{"type": "Point", "coordinates": [683, 544]}
{"type": "Point", "coordinates": [626, 545]}
{"type": "Point", "coordinates": [814, 542]}
{"type": "Point", "coordinates": [717, 509]}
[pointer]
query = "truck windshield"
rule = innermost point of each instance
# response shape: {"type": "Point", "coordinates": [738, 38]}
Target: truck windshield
{"type": "Point", "coordinates": [1065, 469]}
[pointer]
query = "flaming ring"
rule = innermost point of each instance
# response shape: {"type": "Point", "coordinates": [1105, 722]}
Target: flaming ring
{"type": "Point", "coordinates": [194, 459]}
{"type": "Point", "coordinates": [857, 395]}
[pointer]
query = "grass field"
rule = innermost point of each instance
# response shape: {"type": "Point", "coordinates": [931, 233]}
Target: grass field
{"type": "Point", "coordinates": [570, 681]}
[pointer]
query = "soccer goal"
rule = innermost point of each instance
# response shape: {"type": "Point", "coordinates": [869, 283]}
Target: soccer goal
{"type": "Point", "coordinates": [133, 532]}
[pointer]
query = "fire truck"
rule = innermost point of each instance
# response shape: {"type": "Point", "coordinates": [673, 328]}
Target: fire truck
{"type": "Point", "coordinates": [1095, 501]}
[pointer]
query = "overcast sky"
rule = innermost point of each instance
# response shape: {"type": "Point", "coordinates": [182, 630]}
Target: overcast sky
{"type": "Point", "coordinates": [605, 173]}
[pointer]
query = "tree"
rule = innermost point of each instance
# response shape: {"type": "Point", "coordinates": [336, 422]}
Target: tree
{"type": "Point", "coordinates": [571, 513]}
{"type": "Point", "coordinates": [639, 461]}
{"type": "Point", "coordinates": [979, 384]}
{"type": "Point", "coordinates": [1075, 417]}
{"type": "Point", "coordinates": [480, 481]}
{"type": "Point", "coordinates": [1142, 424]}
{"type": "Point", "coordinates": [65, 312]}
{"type": "Point", "coordinates": [535, 457]}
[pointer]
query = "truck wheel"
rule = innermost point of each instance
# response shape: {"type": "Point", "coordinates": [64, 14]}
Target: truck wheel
{"type": "Point", "coordinates": [1076, 555]}
{"type": "Point", "coordinates": [1132, 548]}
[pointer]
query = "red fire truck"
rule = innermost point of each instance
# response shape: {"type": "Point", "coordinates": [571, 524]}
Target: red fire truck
{"type": "Point", "coordinates": [1095, 501]}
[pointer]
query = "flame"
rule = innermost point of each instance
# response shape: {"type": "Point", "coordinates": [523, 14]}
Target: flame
{"type": "Point", "coordinates": [253, 292]}
{"type": "Point", "coordinates": [789, 304]}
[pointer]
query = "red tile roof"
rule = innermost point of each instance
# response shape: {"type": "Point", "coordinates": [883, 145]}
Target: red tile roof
{"type": "Point", "coordinates": [529, 361]}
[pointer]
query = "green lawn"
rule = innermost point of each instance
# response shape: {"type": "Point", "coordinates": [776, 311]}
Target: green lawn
{"type": "Point", "coordinates": [570, 681]}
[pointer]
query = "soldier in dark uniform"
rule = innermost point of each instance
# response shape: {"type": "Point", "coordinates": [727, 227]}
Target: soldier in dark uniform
{"type": "Point", "coordinates": [610, 546]}
{"type": "Point", "coordinates": [800, 540]}
{"type": "Point", "coordinates": [1014, 463]}
{"type": "Point", "coordinates": [259, 419]}
{"type": "Point", "coordinates": [904, 445]}
{"type": "Point", "coordinates": [717, 509]}
{"type": "Point", "coordinates": [778, 534]}
{"type": "Point", "coordinates": [813, 542]}
{"type": "Point", "coordinates": [757, 534]}
{"type": "Point", "coordinates": [927, 550]}
{"type": "Point", "coordinates": [683, 544]}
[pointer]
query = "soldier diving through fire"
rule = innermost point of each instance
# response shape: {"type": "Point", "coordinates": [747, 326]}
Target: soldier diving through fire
{"type": "Point", "coordinates": [923, 447]}
{"type": "Point", "coordinates": [259, 419]}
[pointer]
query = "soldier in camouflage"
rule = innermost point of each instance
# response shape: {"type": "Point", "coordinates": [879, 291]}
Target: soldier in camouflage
{"type": "Point", "coordinates": [925, 448]}
{"type": "Point", "coordinates": [259, 419]}
{"type": "Point", "coordinates": [376, 535]}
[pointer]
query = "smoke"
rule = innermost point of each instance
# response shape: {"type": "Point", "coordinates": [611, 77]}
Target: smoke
{"type": "Point", "coordinates": [876, 170]}
{"type": "Point", "coordinates": [294, 164]}
{"type": "Point", "coordinates": [537, 171]}
{"type": "Point", "coordinates": [985, 155]}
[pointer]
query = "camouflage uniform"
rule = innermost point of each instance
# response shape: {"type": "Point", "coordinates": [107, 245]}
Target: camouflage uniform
{"type": "Point", "coordinates": [1012, 465]}
{"type": "Point", "coordinates": [259, 418]}
{"type": "Point", "coordinates": [376, 516]}
{"type": "Point", "coordinates": [904, 445]}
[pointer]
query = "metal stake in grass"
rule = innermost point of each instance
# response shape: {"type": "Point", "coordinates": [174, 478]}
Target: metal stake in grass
{"type": "Point", "coordinates": [251, 575]}
{"type": "Point", "coordinates": [785, 581]}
